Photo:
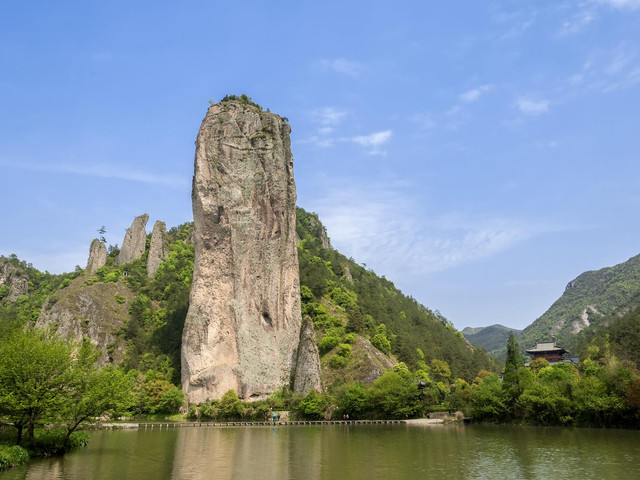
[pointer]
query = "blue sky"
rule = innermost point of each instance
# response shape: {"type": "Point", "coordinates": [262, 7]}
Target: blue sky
{"type": "Point", "coordinates": [479, 154]}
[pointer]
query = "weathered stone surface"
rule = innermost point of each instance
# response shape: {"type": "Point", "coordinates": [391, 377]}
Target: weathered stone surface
{"type": "Point", "coordinates": [158, 249]}
{"type": "Point", "coordinates": [15, 278]}
{"type": "Point", "coordinates": [347, 274]}
{"type": "Point", "coordinates": [319, 231]}
{"type": "Point", "coordinates": [307, 372]}
{"type": "Point", "coordinates": [97, 256]}
{"type": "Point", "coordinates": [134, 241]}
{"type": "Point", "coordinates": [19, 286]}
{"type": "Point", "coordinates": [94, 311]}
{"type": "Point", "coordinates": [243, 326]}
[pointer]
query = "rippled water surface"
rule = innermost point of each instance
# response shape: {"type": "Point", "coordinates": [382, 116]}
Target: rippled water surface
{"type": "Point", "coordinates": [344, 452]}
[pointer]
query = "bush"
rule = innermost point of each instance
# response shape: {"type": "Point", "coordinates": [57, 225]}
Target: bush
{"type": "Point", "coordinates": [327, 343]}
{"type": "Point", "coordinates": [12, 456]}
{"type": "Point", "coordinates": [312, 406]}
{"type": "Point", "coordinates": [337, 361]}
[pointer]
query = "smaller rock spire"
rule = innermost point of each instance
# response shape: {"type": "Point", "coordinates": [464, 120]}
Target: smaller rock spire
{"type": "Point", "coordinates": [135, 240]}
{"type": "Point", "coordinates": [97, 256]}
{"type": "Point", "coordinates": [159, 248]}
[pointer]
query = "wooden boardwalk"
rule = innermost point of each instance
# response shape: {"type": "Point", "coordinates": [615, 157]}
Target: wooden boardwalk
{"type": "Point", "coordinates": [167, 425]}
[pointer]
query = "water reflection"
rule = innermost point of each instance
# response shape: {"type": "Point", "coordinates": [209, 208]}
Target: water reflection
{"type": "Point", "coordinates": [345, 452]}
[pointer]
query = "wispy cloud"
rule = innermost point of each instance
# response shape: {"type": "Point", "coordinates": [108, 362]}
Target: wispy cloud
{"type": "Point", "coordinates": [342, 66]}
{"type": "Point", "coordinates": [374, 141]}
{"type": "Point", "coordinates": [120, 172]}
{"type": "Point", "coordinates": [609, 70]}
{"type": "Point", "coordinates": [532, 107]}
{"type": "Point", "coordinates": [327, 118]}
{"type": "Point", "coordinates": [383, 227]}
{"type": "Point", "coordinates": [582, 18]}
{"type": "Point", "coordinates": [474, 94]}
{"type": "Point", "coordinates": [328, 115]}
{"type": "Point", "coordinates": [587, 12]}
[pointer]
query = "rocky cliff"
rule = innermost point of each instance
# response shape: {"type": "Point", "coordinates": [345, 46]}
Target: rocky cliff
{"type": "Point", "coordinates": [97, 256]}
{"type": "Point", "coordinates": [135, 240]}
{"type": "Point", "coordinates": [242, 329]}
{"type": "Point", "coordinates": [158, 248]}
{"type": "Point", "coordinates": [14, 279]}
{"type": "Point", "coordinates": [90, 310]}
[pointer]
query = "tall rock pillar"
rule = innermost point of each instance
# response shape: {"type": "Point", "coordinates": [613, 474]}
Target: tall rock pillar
{"type": "Point", "coordinates": [242, 329]}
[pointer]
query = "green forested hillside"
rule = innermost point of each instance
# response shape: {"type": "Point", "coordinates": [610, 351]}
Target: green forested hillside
{"type": "Point", "coordinates": [375, 308]}
{"type": "Point", "coordinates": [587, 301]}
{"type": "Point", "coordinates": [490, 338]}
{"type": "Point", "coordinates": [346, 301]}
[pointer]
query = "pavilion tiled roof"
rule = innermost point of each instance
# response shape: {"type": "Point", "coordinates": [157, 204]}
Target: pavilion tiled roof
{"type": "Point", "coordinates": [546, 347]}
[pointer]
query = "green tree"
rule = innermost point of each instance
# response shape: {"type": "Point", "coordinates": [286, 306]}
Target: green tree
{"type": "Point", "coordinates": [313, 406]}
{"type": "Point", "coordinates": [35, 376]}
{"type": "Point", "coordinates": [93, 391]}
{"type": "Point", "coordinates": [513, 365]}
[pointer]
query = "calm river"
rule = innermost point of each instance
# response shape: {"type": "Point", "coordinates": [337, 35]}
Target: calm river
{"type": "Point", "coordinates": [344, 452]}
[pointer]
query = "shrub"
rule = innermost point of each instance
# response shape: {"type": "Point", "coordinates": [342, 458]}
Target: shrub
{"type": "Point", "coordinates": [327, 343]}
{"type": "Point", "coordinates": [12, 456]}
{"type": "Point", "coordinates": [350, 338]}
{"type": "Point", "coordinates": [337, 361]}
{"type": "Point", "coordinates": [344, 350]}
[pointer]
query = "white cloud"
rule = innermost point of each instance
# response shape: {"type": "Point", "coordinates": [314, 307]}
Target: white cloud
{"type": "Point", "coordinates": [530, 106]}
{"type": "Point", "coordinates": [609, 70]}
{"type": "Point", "coordinates": [376, 139]}
{"type": "Point", "coordinates": [382, 227]}
{"type": "Point", "coordinates": [474, 94]}
{"type": "Point", "coordinates": [373, 142]}
{"type": "Point", "coordinates": [328, 115]}
{"type": "Point", "coordinates": [342, 66]}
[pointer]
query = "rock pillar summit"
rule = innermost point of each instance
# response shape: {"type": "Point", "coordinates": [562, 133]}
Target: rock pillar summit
{"type": "Point", "coordinates": [243, 327]}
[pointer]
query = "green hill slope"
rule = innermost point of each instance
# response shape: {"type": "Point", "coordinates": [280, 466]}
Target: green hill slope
{"type": "Point", "coordinates": [490, 338]}
{"type": "Point", "coordinates": [371, 306]}
{"type": "Point", "coordinates": [363, 324]}
{"type": "Point", "coordinates": [586, 305]}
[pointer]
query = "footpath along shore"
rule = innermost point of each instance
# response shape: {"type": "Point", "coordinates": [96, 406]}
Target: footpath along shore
{"type": "Point", "coordinates": [166, 425]}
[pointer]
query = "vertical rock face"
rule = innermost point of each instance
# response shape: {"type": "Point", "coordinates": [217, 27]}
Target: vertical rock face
{"type": "Point", "coordinates": [134, 241]}
{"type": "Point", "coordinates": [15, 279]}
{"type": "Point", "coordinates": [243, 326]}
{"type": "Point", "coordinates": [307, 374]}
{"type": "Point", "coordinates": [158, 249]}
{"type": "Point", "coordinates": [97, 256]}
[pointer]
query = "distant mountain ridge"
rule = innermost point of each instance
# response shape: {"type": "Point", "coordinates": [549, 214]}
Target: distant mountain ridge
{"type": "Point", "coordinates": [490, 338]}
{"type": "Point", "coordinates": [592, 300]}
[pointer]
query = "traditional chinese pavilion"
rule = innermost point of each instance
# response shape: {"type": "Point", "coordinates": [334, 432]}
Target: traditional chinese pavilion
{"type": "Point", "coordinates": [550, 351]}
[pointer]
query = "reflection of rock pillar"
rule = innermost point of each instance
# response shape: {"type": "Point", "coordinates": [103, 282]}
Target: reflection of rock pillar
{"type": "Point", "coordinates": [243, 325]}
{"type": "Point", "coordinates": [206, 453]}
